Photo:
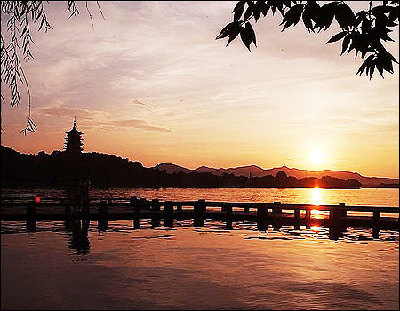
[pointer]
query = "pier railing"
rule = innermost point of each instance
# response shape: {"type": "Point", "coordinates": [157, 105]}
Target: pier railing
{"type": "Point", "coordinates": [336, 217]}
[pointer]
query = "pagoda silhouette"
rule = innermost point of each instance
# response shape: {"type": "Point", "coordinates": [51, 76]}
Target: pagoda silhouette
{"type": "Point", "coordinates": [73, 142]}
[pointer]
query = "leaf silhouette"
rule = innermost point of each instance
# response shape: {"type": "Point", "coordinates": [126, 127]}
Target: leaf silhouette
{"type": "Point", "coordinates": [292, 17]}
{"type": "Point", "coordinates": [324, 18]}
{"type": "Point", "coordinates": [337, 37]}
{"type": "Point", "coordinates": [345, 44]}
{"type": "Point", "coordinates": [363, 32]}
{"type": "Point", "coordinates": [229, 30]}
{"type": "Point", "coordinates": [344, 15]}
{"type": "Point", "coordinates": [239, 9]}
{"type": "Point", "coordinates": [246, 37]}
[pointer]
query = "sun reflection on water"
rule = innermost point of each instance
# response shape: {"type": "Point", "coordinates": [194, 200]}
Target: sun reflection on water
{"type": "Point", "coordinates": [316, 199]}
{"type": "Point", "coordinates": [315, 229]}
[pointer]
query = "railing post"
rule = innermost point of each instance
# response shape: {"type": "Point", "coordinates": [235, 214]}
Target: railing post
{"type": "Point", "coordinates": [262, 217]}
{"type": "Point", "coordinates": [376, 215]}
{"type": "Point", "coordinates": [103, 216]}
{"type": "Point", "coordinates": [31, 216]}
{"type": "Point", "coordinates": [297, 218]}
{"type": "Point", "coordinates": [199, 208]}
{"type": "Point", "coordinates": [168, 213]}
{"type": "Point", "coordinates": [136, 212]}
{"type": "Point", "coordinates": [228, 217]}
{"type": "Point", "coordinates": [246, 209]}
{"type": "Point", "coordinates": [179, 207]}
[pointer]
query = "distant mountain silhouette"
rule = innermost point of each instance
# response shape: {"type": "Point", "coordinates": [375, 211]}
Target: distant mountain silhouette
{"type": "Point", "coordinates": [59, 169]}
{"type": "Point", "coordinates": [171, 168]}
{"type": "Point", "coordinates": [246, 171]}
{"type": "Point", "coordinates": [294, 172]}
{"type": "Point", "coordinates": [256, 171]}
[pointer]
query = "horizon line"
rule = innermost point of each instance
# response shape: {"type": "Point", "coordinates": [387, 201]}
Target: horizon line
{"type": "Point", "coordinates": [203, 165]}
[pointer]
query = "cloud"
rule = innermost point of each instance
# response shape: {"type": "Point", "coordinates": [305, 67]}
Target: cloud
{"type": "Point", "coordinates": [139, 103]}
{"type": "Point", "coordinates": [98, 118]}
{"type": "Point", "coordinates": [140, 124]}
{"type": "Point", "coordinates": [61, 110]}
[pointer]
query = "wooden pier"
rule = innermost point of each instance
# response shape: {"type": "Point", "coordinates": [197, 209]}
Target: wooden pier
{"type": "Point", "coordinates": [336, 217]}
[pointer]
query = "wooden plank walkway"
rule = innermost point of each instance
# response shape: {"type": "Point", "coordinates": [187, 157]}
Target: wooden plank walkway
{"type": "Point", "coordinates": [336, 217]}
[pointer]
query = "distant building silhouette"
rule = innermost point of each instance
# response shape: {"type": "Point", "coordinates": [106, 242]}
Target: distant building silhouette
{"type": "Point", "coordinates": [73, 142]}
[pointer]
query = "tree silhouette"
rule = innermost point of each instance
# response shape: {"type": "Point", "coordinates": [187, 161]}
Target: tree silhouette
{"type": "Point", "coordinates": [59, 169]}
{"type": "Point", "coordinates": [16, 45]}
{"type": "Point", "coordinates": [361, 31]}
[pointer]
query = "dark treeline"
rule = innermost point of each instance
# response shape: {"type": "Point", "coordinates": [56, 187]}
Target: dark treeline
{"type": "Point", "coordinates": [59, 169]}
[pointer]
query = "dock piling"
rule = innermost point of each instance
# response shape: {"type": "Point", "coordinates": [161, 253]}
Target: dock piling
{"type": "Point", "coordinates": [262, 218]}
{"type": "Point", "coordinates": [136, 212]}
{"type": "Point", "coordinates": [297, 218]}
{"type": "Point", "coordinates": [199, 209]}
{"type": "Point", "coordinates": [155, 207]}
{"type": "Point", "coordinates": [144, 204]}
{"type": "Point", "coordinates": [103, 216]}
{"type": "Point", "coordinates": [277, 214]}
{"type": "Point", "coordinates": [168, 214]}
{"type": "Point", "coordinates": [308, 218]}
{"type": "Point", "coordinates": [31, 216]}
{"type": "Point", "coordinates": [334, 222]}
{"type": "Point", "coordinates": [376, 216]}
{"type": "Point", "coordinates": [228, 217]}
{"type": "Point", "coordinates": [342, 217]}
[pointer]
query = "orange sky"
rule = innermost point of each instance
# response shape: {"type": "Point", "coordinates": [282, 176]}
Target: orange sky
{"type": "Point", "coordinates": [150, 83]}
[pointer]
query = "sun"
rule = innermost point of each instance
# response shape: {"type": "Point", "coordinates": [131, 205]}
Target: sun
{"type": "Point", "coordinates": [316, 156]}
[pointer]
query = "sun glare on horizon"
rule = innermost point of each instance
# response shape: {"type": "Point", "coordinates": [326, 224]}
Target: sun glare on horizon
{"type": "Point", "coordinates": [316, 156]}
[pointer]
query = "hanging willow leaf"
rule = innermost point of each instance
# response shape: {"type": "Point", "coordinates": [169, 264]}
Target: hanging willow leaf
{"type": "Point", "coordinates": [16, 39]}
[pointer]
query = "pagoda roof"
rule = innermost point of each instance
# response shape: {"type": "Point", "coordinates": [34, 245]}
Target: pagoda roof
{"type": "Point", "coordinates": [74, 130]}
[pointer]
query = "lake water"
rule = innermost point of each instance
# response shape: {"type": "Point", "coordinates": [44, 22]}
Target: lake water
{"type": "Point", "coordinates": [363, 196]}
{"type": "Point", "coordinates": [73, 266]}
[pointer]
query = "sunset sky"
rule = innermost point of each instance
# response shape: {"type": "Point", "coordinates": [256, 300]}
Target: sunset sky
{"type": "Point", "coordinates": [151, 83]}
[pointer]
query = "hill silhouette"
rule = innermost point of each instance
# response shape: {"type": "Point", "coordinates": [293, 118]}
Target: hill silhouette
{"type": "Point", "coordinates": [256, 171]}
{"type": "Point", "coordinates": [171, 168]}
{"type": "Point", "coordinates": [58, 169]}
